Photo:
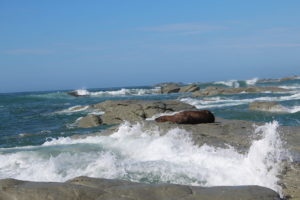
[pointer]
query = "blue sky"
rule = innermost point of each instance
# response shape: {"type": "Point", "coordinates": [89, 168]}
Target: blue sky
{"type": "Point", "coordinates": [48, 45]}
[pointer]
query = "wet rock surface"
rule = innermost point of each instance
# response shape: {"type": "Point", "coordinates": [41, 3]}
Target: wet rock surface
{"type": "Point", "coordinates": [135, 110]}
{"type": "Point", "coordinates": [266, 106]}
{"type": "Point", "coordinates": [89, 121]}
{"type": "Point", "coordinates": [176, 88]}
{"type": "Point", "coordinates": [210, 91]}
{"type": "Point", "coordinates": [84, 188]}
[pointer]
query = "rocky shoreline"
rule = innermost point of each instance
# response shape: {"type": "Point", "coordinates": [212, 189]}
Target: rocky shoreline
{"type": "Point", "coordinates": [85, 188]}
{"type": "Point", "coordinates": [222, 133]}
{"type": "Point", "coordinates": [236, 133]}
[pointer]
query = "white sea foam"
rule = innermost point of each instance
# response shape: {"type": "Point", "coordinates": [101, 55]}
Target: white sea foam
{"type": "Point", "coordinates": [135, 154]}
{"type": "Point", "coordinates": [290, 87]}
{"type": "Point", "coordinates": [72, 109]}
{"type": "Point", "coordinates": [82, 92]}
{"type": "Point", "coordinates": [121, 92]}
{"type": "Point", "coordinates": [251, 81]}
{"type": "Point", "coordinates": [215, 102]}
{"type": "Point", "coordinates": [230, 83]}
{"type": "Point", "coordinates": [161, 114]}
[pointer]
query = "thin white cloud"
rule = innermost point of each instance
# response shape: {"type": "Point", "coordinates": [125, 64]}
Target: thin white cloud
{"type": "Point", "coordinates": [183, 28]}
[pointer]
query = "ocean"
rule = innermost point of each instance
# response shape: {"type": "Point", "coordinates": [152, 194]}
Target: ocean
{"type": "Point", "coordinates": [36, 142]}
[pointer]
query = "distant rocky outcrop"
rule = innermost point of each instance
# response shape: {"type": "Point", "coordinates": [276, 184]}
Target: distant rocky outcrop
{"type": "Point", "coordinates": [176, 88]}
{"type": "Point", "coordinates": [189, 117]}
{"type": "Point", "coordinates": [267, 106]}
{"type": "Point", "coordinates": [170, 88]}
{"type": "Point", "coordinates": [85, 188]}
{"type": "Point", "coordinates": [278, 79]}
{"type": "Point", "coordinates": [210, 91]}
{"type": "Point", "coordinates": [189, 88]}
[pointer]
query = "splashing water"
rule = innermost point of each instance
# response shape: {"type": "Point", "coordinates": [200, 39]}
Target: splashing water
{"type": "Point", "coordinates": [136, 154]}
{"type": "Point", "coordinates": [230, 83]}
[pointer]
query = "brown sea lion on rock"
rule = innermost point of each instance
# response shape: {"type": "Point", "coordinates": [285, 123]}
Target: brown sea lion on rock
{"type": "Point", "coordinates": [189, 117]}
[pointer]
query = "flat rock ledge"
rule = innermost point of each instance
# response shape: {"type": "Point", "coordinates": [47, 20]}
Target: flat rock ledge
{"type": "Point", "coordinates": [115, 112]}
{"type": "Point", "coordinates": [85, 188]}
{"type": "Point", "coordinates": [210, 91]}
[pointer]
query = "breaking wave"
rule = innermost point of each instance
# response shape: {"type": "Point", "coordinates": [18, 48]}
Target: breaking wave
{"type": "Point", "coordinates": [230, 83]}
{"type": "Point", "coordinates": [136, 154]}
{"type": "Point", "coordinates": [252, 81]}
{"type": "Point", "coordinates": [121, 92]}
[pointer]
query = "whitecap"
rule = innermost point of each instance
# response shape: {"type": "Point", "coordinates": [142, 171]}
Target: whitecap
{"type": "Point", "coordinates": [230, 83]}
{"type": "Point", "coordinates": [136, 154]}
{"type": "Point", "coordinates": [124, 92]}
{"type": "Point", "coordinates": [251, 81]}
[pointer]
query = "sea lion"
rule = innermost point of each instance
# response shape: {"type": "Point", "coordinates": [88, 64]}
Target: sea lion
{"type": "Point", "coordinates": [189, 117]}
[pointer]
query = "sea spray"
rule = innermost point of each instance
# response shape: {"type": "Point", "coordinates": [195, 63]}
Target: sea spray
{"type": "Point", "coordinates": [120, 92]}
{"type": "Point", "coordinates": [148, 155]}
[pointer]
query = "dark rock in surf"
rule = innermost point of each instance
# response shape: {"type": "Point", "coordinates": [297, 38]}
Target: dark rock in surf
{"type": "Point", "coordinates": [78, 93]}
{"type": "Point", "coordinates": [189, 117]}
{"type": "Point", "coordinates": [176, 88]}
{"type": "Point", "coordinates": [170, 88]}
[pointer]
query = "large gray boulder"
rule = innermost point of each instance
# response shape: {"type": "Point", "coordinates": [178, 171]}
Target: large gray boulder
{"type": "Point", "coordinates": [89, 121]}
{"type": "Point", "coordinates": [136, 110]}
{"type": "Point", "coordinates": [85, 188]}
{"type": "Point", "coordinates": [267, 106]}
{"type": "Point", "coordinates": [210, 91]}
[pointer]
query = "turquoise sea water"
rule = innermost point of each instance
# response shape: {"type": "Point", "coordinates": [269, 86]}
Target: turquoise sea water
{"type": "Point", "coordinates": [30, 118]}
{"type": "Point", "coordinates": [35, 143]}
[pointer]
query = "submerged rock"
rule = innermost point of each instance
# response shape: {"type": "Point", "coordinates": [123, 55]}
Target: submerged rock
{"type": "Point", "coordinates": [267, 106]}
{"type": "Point", "coordinates": [85, 188]}
{"type": "Point", "coordinates": [89, 121]}
{"type": "Point", "coordinates": [189, 117]}
{"type": "Point", "coordinates": [210, 91]}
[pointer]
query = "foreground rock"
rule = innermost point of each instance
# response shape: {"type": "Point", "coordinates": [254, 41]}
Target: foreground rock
{"type": "Point", "coordinates": [266, 106]}
{"type": "Point", "coordinates": [89, 121]}
{"type": "Point", "coordinates": [84, 188]}
{"type": "Point", "coordinates": [137, 110]}
{"type": "Point", "coordinates": [189, 117]}
{"type": "Point", "coordinates": [210, 91]}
